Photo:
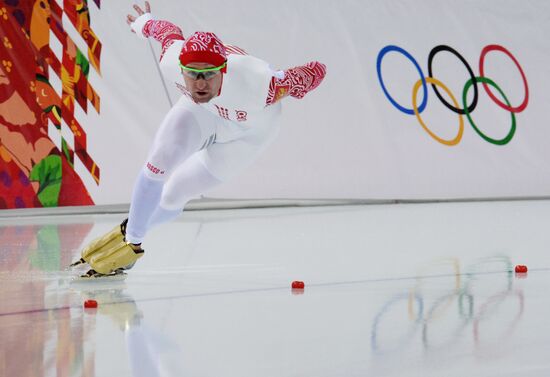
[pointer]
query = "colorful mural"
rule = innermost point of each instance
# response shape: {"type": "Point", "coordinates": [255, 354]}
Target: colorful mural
{"type": "Point", "coordinates": [34, 171]}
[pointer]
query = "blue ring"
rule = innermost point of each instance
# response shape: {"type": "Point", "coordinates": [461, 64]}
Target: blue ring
{"type": "Point", "coordinates": [381, 54]}
{"type": "Point", "coordinates": [385, 308]}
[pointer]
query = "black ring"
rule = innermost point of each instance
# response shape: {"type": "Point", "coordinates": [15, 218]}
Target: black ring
{"type": "Point", "coordinates": [434, 51]}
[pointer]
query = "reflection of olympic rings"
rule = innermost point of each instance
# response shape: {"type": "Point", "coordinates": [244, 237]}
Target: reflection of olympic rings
{"type": "Point", "coordinates": [467, 109]}
{"type": "Point", "coordinates": [425, 313]}
{"type": "Point", "coordinates": [455, 266]}
{"type": "Point", "coordinates": [398, 298]}
{"type": "Point", "coordinates": [495, 300]}
{"type": "Point", "coordinates": [465, 317]}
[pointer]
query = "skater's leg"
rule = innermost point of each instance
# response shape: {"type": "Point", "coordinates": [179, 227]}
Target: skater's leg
{"type": "Point", "coordinates": [196, 176]}
{"type": "Point", "coordinates": [145, 200]}
{"type": "Point", "coordinates": [224, 161]}
{"type": "Point", "coordinates": [179, 137]}
{"type": "Point", "coordinates": [189, 180]}
{"type": "Point", "coordinates": [163, 215]}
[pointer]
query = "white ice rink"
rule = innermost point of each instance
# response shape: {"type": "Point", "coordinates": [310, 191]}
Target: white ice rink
{"type": "Point", "coordinates": [390, 290]}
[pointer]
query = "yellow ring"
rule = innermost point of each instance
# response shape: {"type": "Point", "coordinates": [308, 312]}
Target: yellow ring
{"type": "Point", "coordinates": [455, 264]}
{"type": "Point", "coordinates": [433, 81]}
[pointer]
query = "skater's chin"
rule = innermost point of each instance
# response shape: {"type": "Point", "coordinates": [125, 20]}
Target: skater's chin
{"type": "Point", "coordinates": [202, 97]}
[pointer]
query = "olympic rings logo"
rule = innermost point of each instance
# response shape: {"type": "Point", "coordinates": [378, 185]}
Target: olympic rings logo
{"type": "Point", "coordinates": [472, 82]}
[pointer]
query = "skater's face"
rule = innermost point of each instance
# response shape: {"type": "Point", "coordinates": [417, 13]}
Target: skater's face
{"type": "Point", "coordinates": [203, 86]}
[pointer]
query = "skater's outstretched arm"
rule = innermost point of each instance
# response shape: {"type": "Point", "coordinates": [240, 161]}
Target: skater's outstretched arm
{"type": "Point", "coordinates": [297, 82]}
{"type": "Point", "coordinates": [162, 31]}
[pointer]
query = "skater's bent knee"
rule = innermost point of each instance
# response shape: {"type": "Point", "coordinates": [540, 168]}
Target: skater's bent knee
{"type": "Point", "coordinates": [154, 172]}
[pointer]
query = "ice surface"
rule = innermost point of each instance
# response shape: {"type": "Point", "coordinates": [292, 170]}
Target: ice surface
{"type": "Point", "coordinates": [391, 290]}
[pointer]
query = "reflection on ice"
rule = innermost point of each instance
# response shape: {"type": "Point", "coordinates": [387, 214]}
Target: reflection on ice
{"type": "Point", "coordinates": [390, 290]}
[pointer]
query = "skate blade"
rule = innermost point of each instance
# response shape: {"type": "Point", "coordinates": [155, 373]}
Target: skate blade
{"type": "Point", "coordinates": [77, 263]}
{"type": "Point", "coordinates": [99, 282]}
{"type": "Point", "coordinates": [92, 274]}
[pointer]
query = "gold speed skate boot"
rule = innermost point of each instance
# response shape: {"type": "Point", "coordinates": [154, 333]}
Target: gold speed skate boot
{"type": "Point", "coordinates": [110, 254]}
{"type": "Point", "coordinates": [121, 256]}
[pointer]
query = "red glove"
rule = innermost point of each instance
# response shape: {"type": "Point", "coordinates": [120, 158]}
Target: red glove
{"type": "Point", "coordinates": [298, 81]}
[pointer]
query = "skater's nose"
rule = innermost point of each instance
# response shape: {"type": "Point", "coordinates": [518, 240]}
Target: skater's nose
{"type": "Point", "coordinates": [201, 83]}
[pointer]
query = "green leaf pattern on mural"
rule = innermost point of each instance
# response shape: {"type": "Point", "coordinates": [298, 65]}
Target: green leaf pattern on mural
{"type": "Point", "coordinates": [83, 63]}
{"type": "Point", "coordinates": [48, 174]}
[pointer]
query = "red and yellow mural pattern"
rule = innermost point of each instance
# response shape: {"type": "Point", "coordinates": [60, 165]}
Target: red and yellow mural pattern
{"type": "Point", "coordinates": [34, 172]}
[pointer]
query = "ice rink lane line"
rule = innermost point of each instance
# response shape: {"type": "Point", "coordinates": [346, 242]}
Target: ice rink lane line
{"type": "Point", "coordinates": [353, 282]}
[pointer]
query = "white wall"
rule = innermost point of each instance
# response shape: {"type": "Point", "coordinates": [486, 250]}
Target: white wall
{"type": "Point", "coordinates": [346, 140]}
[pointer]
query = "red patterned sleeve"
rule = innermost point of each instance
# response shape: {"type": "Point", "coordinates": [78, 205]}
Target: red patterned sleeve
{"type": "Point", "coordinates": [230, 49]}
{"type": "Point", "coordinates": [298, 81]}
{"type": "Point", "coordinates": [163, 31]}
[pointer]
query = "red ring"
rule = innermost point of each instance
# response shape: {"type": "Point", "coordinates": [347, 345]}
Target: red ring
{"type": "Point", "coordinates": [523, 105]}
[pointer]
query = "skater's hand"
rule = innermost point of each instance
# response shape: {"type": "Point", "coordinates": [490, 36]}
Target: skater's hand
{"type": "Point", "coordinates": [130, 18]}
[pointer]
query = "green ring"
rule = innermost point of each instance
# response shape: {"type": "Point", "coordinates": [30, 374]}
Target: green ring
{"type": "Point", "coordinates": [485, 80]}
